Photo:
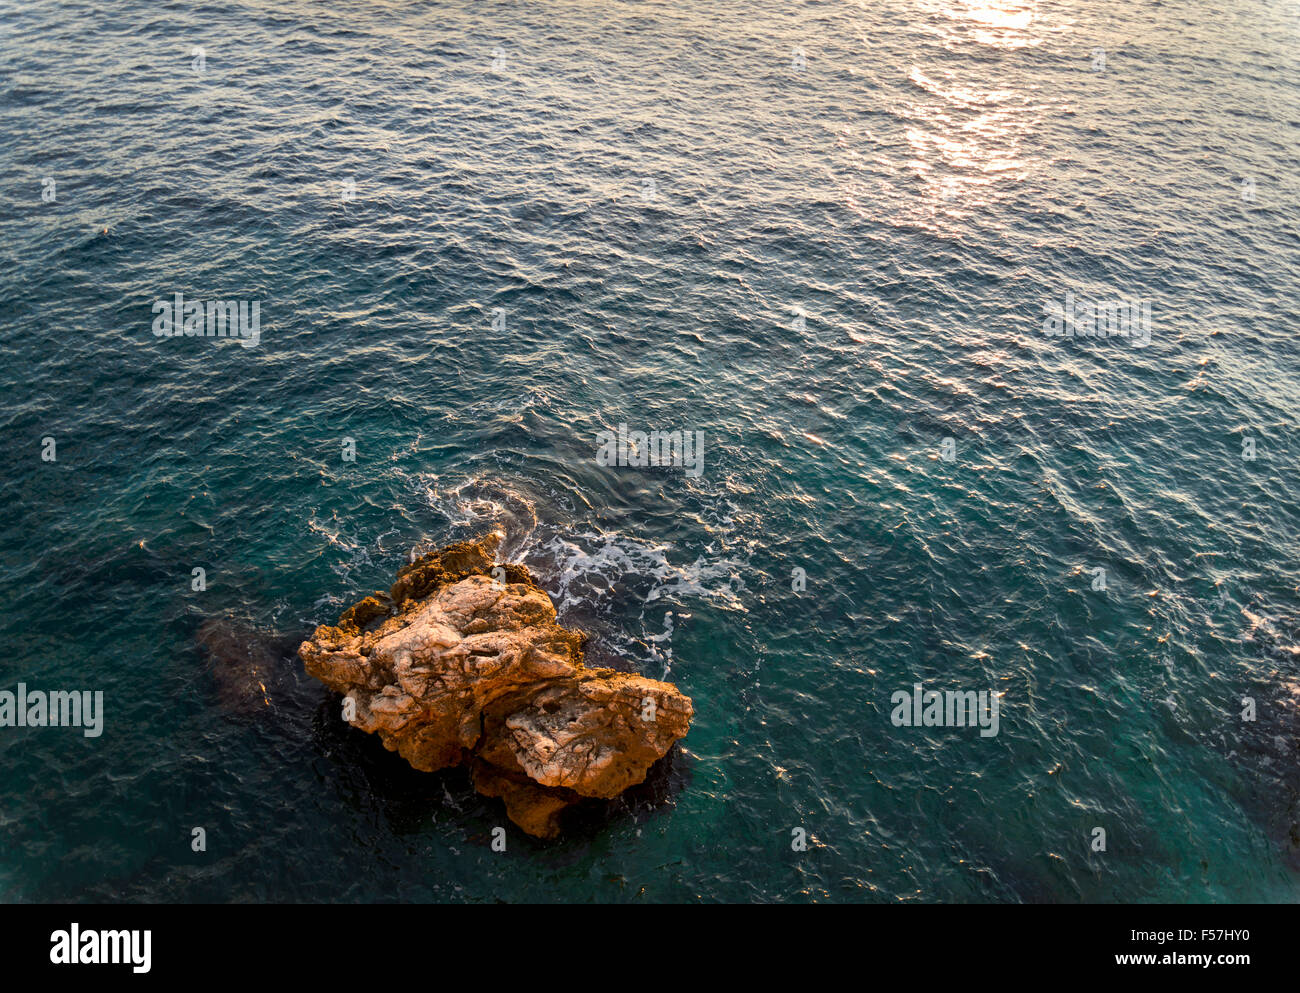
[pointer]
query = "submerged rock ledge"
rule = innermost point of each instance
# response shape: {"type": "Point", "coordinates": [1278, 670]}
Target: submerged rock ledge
{"type": "Point", "coordinates": [454, 666]}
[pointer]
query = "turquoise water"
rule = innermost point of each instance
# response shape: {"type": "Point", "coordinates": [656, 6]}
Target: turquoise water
{"type": "Point", "coordinates": [822, 234]}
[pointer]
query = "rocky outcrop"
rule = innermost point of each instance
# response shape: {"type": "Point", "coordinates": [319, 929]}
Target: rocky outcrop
{"type": "Point", "coordinates": [462, 661]}
{"type": "Point", "coordinates": [241, 663]}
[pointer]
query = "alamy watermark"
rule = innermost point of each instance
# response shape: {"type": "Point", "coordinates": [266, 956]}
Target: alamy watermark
{"type": "Point", "coordinates": [95, 947]}
{"type": "Point", "coordinates": [678, 449]}
{"type": "Point", "coordinates": [1099, 319]}
{"type": "Point", "coordinates": [56, 709]}
{"type": "Point", "coordinates": [178, 317]}
{"type": "Point", "coordinates": [947, 709]}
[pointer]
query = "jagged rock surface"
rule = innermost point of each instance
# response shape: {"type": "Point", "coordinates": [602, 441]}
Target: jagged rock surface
{"type": "Point", "coordinates": [454, 666]}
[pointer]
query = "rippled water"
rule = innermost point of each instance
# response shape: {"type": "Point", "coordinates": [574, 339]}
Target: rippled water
{"type": "Point", "coordinates": [823, 234]}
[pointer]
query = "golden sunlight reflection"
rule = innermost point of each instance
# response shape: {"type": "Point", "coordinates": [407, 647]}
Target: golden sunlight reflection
{"type": "Point", "coordinates": [966, 136]}
{"type": "Point", "coordinates": [999, 14]}
{"type": "Point", "coordinates": [962, 141]}
{"type": "Point", "coordinates": [991, 22]}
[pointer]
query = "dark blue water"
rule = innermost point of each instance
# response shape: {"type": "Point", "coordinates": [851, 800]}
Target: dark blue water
{"type": "Point", "coordinates": [822, 234]}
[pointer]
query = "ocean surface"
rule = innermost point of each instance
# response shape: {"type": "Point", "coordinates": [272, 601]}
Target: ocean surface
{"type": "Point", "coordinates": [823, 234]}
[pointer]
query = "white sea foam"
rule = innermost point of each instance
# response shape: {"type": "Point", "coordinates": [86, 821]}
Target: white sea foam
{"type": "Point", "coordinates": [597, 578]}
{"type": "Point", "coordinates": [617, 559]}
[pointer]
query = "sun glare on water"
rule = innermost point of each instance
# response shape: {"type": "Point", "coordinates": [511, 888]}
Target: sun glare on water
{"type": "Point", "coordinates": [966, 136]}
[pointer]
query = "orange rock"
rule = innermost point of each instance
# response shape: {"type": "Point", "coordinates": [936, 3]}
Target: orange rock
{"type": "Point", "coordinates": [453, 665]}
